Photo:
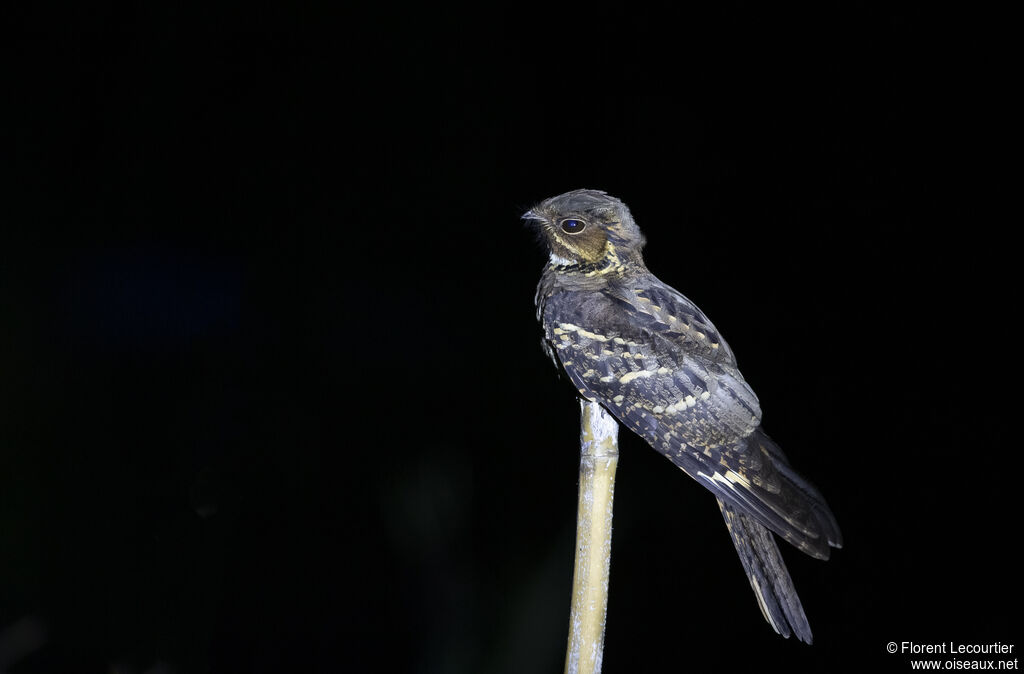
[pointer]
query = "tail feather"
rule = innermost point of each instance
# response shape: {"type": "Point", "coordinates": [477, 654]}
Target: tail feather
{"type": "Point", "coordinates": [767, 573]}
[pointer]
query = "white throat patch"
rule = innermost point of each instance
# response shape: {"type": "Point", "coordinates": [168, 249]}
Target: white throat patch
{"type": "Point", "coordinates": [561, 260]}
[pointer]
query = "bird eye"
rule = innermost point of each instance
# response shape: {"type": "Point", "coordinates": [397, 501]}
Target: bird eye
{"type": "Point", "coordinates": [573, 225]}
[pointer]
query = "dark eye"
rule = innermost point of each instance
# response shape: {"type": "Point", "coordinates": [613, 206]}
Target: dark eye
{"type": "Point", "coordinates": [573, 225]}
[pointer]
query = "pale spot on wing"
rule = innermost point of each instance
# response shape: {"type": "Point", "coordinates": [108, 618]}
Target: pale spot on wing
{"type": "Point", "coordinates": [736, 478]}
{"type": "Point", "coordinates": [682, 404]}
{"type": "Point", "coordinates": [582, 332]}
{"type": "Point", "coordinates": [630, 376]}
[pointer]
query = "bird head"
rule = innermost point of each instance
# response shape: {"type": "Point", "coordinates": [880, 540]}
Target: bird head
{"type": "Point", "coordinates": [586, 227]}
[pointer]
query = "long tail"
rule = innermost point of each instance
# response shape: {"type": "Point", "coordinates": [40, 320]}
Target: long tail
{"type": "Point", "coordinates": [767, 573]}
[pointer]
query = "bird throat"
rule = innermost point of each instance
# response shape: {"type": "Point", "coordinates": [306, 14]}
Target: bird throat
{"type": "Point", "coordinates": [609, 263]}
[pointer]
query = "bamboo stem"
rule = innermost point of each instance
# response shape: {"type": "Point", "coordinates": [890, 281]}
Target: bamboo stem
{"type": "Point", "coordinates": [599, 456]}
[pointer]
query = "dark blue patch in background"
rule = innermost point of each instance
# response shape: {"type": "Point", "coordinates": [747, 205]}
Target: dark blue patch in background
{"type": "Point", "coordinates": [149, 297]}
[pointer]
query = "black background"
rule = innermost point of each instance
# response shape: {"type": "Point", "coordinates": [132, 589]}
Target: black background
{"type": "Point", "coordinates": [272, 391]}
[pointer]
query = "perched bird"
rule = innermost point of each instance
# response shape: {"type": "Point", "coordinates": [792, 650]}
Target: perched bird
{"type": "Point", "coordinates": [653, 359]}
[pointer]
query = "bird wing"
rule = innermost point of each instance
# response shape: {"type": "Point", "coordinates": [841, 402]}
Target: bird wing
{"type": "Point", "coordinates": [659, 366]}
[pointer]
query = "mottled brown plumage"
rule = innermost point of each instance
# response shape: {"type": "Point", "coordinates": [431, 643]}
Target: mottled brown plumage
{"type": "Point", "coordinates": [655, 361]}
